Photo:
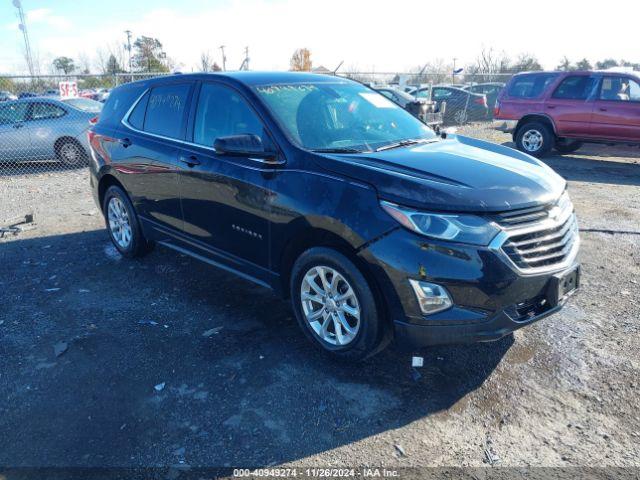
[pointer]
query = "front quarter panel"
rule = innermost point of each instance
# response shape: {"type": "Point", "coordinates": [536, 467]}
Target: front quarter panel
{"type": "Point", "coordinates": [306, 200]}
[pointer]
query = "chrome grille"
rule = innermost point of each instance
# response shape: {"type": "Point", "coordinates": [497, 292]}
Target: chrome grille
{"type": "Point", "coordinates": [540, 238]}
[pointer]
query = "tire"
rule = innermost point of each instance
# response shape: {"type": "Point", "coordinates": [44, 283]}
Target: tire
{"type": "Point", "coordinates": [460, 117]}
{"type": "Point", "coordinates": [568, 147]}
{"type": "Point", "coordinates": [365, 335]}
{"type": "Point", "coordinates": [71, 153]}
{"type": "Point", "coordinates": [535, 138]}
{"type": "Point", "coordinates": [123, 224]}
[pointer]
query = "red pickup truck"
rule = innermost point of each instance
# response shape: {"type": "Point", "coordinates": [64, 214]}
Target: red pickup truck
{"type": "Point", "coordinates": [562, 110]}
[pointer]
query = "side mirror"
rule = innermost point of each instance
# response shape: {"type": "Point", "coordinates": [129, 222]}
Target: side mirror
{"type": "Point", "coordinates": [245, 145]}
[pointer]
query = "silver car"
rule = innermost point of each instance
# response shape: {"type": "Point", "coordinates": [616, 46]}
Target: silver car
{"type": "Point", "coordinates": [45, 128]}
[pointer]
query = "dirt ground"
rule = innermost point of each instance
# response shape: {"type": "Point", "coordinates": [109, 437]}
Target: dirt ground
{"type": "Point", "coordinates": [166, 361]}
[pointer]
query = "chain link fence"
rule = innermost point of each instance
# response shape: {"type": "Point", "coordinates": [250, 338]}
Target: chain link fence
{"type": "Point", "coordinates": [43, 137]}
{"type": "Point", "coordinates": [41, 132]}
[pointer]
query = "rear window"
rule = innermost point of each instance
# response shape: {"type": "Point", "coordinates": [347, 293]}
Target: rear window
{"type": "Point", "coordinates": [165, 110]}
{"type": "Point", "coordinates": [84, 104]}
{"type": "Point", "coordinates": [118, 103]}
{"type": "Point", "coordinates": [136, 118]}
{"type": "Point", "coordinates": [530, 86]}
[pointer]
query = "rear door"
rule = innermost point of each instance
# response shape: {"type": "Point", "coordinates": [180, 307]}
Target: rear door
{"type": "Point", "coordinates": [570, 105]}
{"type": "Point", "coordinates": [617, 109]}
{"type": "Point", "coordinates": [15, 142]}
{"type": "Point", "coordinates": [145, 154]}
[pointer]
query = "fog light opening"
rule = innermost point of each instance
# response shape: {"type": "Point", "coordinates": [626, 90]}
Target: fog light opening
{"type": "Point", "coordinates": [431, 297]}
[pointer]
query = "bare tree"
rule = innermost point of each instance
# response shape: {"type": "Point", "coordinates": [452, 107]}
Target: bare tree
{"type": "Point", "coordinates": [565, 65]}
{"type": "Point", "coordinates": [301, 60]}
{"type": "Point", "coordinates": [488, 64]}
{"type": "Point", "coordinates": [84, 63]}
{"type": "Point", "coordinates": [526, 62]}
{"type": "Point", "coordinates": [206, 62]}
{"type": "Point", "coordinates": [436, 71]}
{"type": "Point", "coordinates": [584, 64]}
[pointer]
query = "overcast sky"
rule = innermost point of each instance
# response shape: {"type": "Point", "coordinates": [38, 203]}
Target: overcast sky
{"type": "Point", "coordinates": [385, 36]}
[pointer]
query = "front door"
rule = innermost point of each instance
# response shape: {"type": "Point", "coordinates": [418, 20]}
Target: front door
{"type": "Point", "coordinates": [617, 109]}
{"type": "Point", "coordinates": [45, 125]}
{"type": "Point", "coordinates": [571, 105]}
{"type": "Point", "coordinates": [225, 199]}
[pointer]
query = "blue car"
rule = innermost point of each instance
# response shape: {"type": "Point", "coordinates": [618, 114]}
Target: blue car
{"type": "Point", "coordinates": [45, 128]}
{"type": "Point", "coordinates": [332, 195]}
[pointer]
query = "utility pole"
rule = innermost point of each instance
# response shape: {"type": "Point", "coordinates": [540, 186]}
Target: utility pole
{"type": "Point", "coordinates": [23, 27]}
{"type": "Point", "coordinates": [224, 59]}
{"type": "Point", "coordinates": [245, 63]}
{"type": "Point", "coordinates": [128, 46]}
{"type": "Point", "coordinates": [453, 72]}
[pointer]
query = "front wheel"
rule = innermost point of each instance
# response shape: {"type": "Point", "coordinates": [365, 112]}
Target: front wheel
{"type": "Point", "coordinates": [334, 305]}
{"type": "Point", "coordinates": [534, 138]}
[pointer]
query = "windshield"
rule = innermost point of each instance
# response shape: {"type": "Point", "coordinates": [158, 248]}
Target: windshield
{"type": "Point", "coordinates": [84, 104]}
{"type": "Point", "coordinates": [340, 116]}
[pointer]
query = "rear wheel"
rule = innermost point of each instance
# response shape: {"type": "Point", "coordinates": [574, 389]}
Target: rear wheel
{"type": "Point", "coordinates": [535, 138]}
{"type": "Point", "coordinates": [334, 304]}
{"type": "Point", "coordinates": [122, 224]}
{"type": "Point", "coordinates": [567, 146]}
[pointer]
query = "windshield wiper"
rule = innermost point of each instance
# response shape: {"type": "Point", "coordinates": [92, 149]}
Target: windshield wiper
{"type": "Point", "coordinates": [336, 150]}
{"type": "Point", "coordinates": [402, 143]}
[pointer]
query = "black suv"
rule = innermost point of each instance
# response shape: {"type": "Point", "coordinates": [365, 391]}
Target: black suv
{"type": "Point", "coordinates": [325, 191]}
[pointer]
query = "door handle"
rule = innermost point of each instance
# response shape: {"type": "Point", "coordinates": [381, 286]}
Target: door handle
{"type": "Point", "coordinates": [125, 142]}
{"type": "Point", "coordinates": [191, 160]}
{"type": "Point", "coordinates": [18, 125]}
{"type": "Point", "coordinates": [551, 107]}
{"type": "Point", "coordinates": [602, 109]}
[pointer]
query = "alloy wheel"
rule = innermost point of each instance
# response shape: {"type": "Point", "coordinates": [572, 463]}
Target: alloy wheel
{"type": "Point", "coordinates": [70, 153]}
{"type": "Point", "coordinates": [532, 140]}
{"type": "Point", "coordinates": [119, 223]}
{"type": "Point", "coordinates": [330, 305]}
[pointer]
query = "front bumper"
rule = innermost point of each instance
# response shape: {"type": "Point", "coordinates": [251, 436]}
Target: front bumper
{"type": "Point", "coordinates": [490, 297]}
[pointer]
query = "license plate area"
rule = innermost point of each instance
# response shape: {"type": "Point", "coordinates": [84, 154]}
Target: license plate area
{"type": "Point", "coordinates": [563, 284]}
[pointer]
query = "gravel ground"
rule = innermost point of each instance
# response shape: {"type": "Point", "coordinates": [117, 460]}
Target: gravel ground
{"type": "Point", "coordinates": [165, 361]}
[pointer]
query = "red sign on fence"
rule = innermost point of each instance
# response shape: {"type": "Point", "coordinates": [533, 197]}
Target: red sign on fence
{"type": "Point", "coordinates": [68, 89]}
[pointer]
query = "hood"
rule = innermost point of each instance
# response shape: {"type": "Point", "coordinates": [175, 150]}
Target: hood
{"type": "Point", "coordinates": [458, 174]}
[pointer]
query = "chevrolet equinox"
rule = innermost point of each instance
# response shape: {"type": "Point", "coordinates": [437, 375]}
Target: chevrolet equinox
{"type": "Point", "coordinates": [327, 192]}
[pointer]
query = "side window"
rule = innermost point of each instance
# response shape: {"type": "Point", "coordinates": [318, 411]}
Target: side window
{"type": "Point", "coordinates": [423, 93]}
{"type": "Point", "coordinates": [165, 109]}
{"type": "Point", "coordinates": [136, 117]}
{"type": "Point", "coordinates": [222, 112]}
{"type": "Point", "coordinates": [13, 113]}
{"type": "Point", "coordinates": [576, 87]}
{"type": "Point", "coordinates": [622, 89]}
{"type": "Point", "coordinates": [440, 93]}
{"type": "Point", "coordinates": [42, 111]}
{"type": "Point", "coordinates": [530, 86]}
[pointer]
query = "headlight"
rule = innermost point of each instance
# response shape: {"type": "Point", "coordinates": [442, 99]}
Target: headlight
{"type": "Point", "coordinates": [455, 228]}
